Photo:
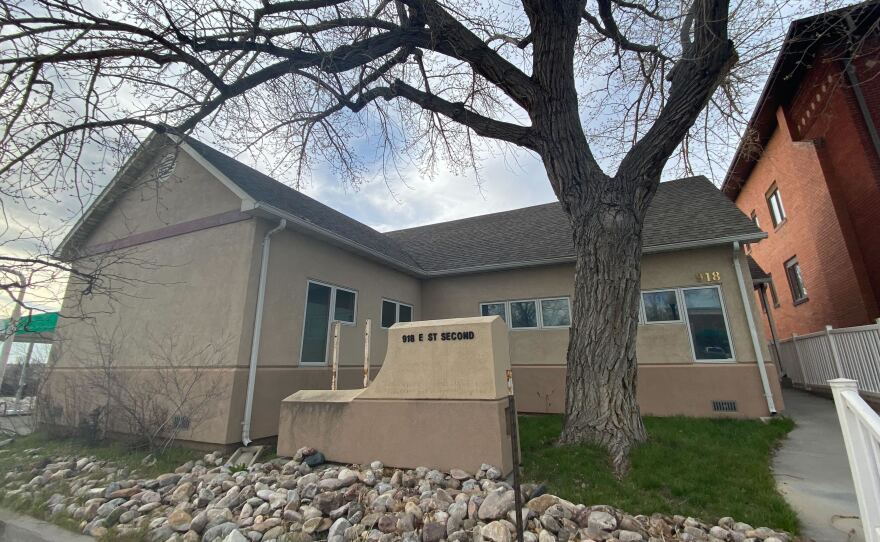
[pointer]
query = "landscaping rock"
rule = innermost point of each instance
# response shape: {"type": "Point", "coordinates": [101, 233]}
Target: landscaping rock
{"type": "Point", "coordinates": [180, 521]}
{"type": "Point", "coordinates": [496, 504]}
{"type": "Point", "coordinates": [305, 499]}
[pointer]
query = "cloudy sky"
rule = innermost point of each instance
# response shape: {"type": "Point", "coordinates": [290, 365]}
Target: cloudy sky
{"type": "Point", "coordinates": [502, 183]}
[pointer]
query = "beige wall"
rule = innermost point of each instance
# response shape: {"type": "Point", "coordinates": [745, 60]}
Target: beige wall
{"type": "Point", "coordinates": [459, 296]}
{"type": "Point", "coordinates": [201, 287]}
{"type": "Point", "coordinates": [294, 260]}
{"type": "Point", "coordinates": [191, 289]}
{"type": "Point", "coordinates": [189, 193]}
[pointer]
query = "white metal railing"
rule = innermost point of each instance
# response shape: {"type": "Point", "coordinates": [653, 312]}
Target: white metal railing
{"type": "Point", "coordinates": [851, 352]}
{"type": "Point", "coordinates": [860, 426]}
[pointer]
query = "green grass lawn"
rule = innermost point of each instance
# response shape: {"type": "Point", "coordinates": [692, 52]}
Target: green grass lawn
{"type": "Point", "coordinates": [705, 468]}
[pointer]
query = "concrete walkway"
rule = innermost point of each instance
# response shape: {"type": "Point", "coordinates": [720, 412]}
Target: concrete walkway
{"type": "Point", "coordinates": [15, 527]}
{"type": "Point", "coordinates": [812, 471]}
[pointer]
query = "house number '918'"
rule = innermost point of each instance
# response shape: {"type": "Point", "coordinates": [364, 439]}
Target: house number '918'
{"type": "Point", "coordinates": [709, 276]}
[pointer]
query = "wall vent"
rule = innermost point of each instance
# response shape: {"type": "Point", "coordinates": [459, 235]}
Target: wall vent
{"type": "Point", "coordinates": [180, 422]}
{"type": "Point", "coordinates": [724, 406]}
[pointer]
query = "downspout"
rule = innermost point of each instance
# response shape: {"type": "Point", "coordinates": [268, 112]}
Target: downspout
{"type": "Point", "coordinates": [258, 325]}
{"type": "Point", "coordinates": [753, 331]}
{"type": "Point", "coordinates": [772, 322]}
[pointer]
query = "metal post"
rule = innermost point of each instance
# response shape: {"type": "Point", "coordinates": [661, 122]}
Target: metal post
{"type": "Point", "coordinates": [13, 320]}
{"type": "Point", "coordinates": [367, 331]}
{"type": "Point", "coordinates": [835, 355]}
{"type": "Point", "coordinates": [335, 375]}
{"type": "Point", "coordinates": [22, 378]}
{"type": "Point", "coordinates": [513, 423]}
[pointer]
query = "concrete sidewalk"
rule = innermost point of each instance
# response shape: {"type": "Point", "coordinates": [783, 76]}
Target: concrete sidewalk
{"type": "Point", "coordinates": [812, 471]}
{"type": "Point", "coordinates": [15, 527]}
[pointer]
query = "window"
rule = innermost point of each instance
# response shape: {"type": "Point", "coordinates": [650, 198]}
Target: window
{"type": "Point", "coordinates": [324, 304]}
{"type": "Point", "coordinates": [555, 312]}
{"type": "Point", "coordinates": [661, 306]}
{"type": "Point", "coordinates": [755, 219]}
{"type": "Point", "coordinates": [795, 281]}
{"type": "Point", "coordinates": [523, 314]}
{"type": "Point", "coordinates": [549, 312]}
{"type": "Point", "coordinates": [394, 312]}
{"type": "Point", "coordinates": [344, 306]}
{"type": "Point", "coordinates": [494, 309]}
{"type": "Point", "coordinates": [710, 336]}
{"type": "Point", "coordinates": [774, 203]}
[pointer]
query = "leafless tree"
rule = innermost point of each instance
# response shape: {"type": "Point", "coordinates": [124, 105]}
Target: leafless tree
{"type": "Point", "coordinates": [171, 397]}
{"type": "Point", "coordinates": [613, 83]}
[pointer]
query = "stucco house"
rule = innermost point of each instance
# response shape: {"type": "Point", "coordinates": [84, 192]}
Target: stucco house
{"type": "Point", "coordinates": [219, 233]}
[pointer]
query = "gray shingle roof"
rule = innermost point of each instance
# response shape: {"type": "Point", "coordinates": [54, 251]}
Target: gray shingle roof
{"type": "Point", "coordinates": [757, 272]}
{"type": "Point", "coordinates": [684, 211]}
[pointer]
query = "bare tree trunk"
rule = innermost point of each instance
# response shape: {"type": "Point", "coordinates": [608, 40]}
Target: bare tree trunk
{"type": "Point", "coordinates": [606, 215]}
{"type": "Point", "coordinates": [600, 399]}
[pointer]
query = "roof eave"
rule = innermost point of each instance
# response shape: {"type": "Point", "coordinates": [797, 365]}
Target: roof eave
{"type": "Point", "coordinates": [670, 247]}
{"type": "Point", "coordinates": [61, 252]}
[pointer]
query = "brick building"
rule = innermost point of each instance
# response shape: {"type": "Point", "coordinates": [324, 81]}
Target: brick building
{"type": "Point", "coordinates": [808, 173]}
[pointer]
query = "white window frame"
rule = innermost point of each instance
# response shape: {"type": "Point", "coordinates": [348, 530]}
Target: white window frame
{"type": "Point", "coordinates": [541, 311]}
{"type": "Point", "coordinates": [539, 317]}
{"type": "Point", "coordinates": [774, 194]}
{"type": "Point", "coordinates": [332, 318]}
{"type": "Point", "coordinates": [643, 316]}
{"type": "Point", "coordinates": [397, 305]}
{"type": "Point", "coordinates": [523, 328]}
{"type": "Point", "coordinates": [732, 358]}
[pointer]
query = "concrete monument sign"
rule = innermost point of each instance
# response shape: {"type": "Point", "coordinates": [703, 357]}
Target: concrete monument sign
{"type": "Point", "coordinates": [439, 401]}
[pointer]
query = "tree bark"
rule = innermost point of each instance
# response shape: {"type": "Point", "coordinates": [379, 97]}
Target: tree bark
{"type": "Point", "coordinates": [600, 399]}
{"type": "Point", "coordinates": [606, 214]}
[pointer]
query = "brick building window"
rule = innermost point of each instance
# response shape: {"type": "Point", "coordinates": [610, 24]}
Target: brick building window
{"type": "Point", "coordinates": [795, 281]}
{"type": "Point", "coordinates": [774, 203]}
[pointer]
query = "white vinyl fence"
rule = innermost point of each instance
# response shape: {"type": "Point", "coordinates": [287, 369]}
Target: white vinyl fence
{"type": "Point", "coordinates": [851, 352]}
{"type": "Point", "coordinates": [860, 426]}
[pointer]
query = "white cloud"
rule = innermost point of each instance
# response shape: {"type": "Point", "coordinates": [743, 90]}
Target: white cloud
{"type": "Point", "coordinates": [505, 182]}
